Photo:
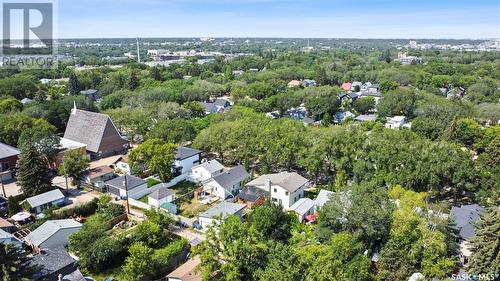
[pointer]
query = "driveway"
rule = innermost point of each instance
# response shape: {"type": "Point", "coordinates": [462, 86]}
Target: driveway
{"type": "Point", "coordinates": [193, 237]}
{"type": "Point", "coordinates": [11, 188]}
{"type": "Point", "coordinates": [79, 197]}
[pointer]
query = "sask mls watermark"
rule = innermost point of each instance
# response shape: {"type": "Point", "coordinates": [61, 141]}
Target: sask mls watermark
{"type": "Point", "coordinates": [28, 32]}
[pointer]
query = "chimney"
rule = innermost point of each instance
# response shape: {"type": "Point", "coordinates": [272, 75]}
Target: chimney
{"type": "Point", "coordinates": [268, 186]}
{"type": "Point", "coordinates": [73, 110]}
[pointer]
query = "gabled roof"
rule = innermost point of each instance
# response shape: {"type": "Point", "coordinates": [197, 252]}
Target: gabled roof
{"type": "Point", "coordinates": [465, 216]}
{"type": "Point", "coordinates": [161, 193]}
{"type": "Point", "coordinates": [222, 102]}
{"type": "Point", "coordinates": [93, 129]}
{"type": "Point", "coordinates": [223, 209]}
{"type": "Point", "coordinates": [211, 166]}
{"type": "Point", "coordinates": [45, 198]}
{"type": "Point", "coordinates": [99, 171]}
{"type": "Point", "coordinates": [185, 152]}
{"type": "Point", "coordinates": [346, 86]}
{"type": "Point", "coordinates": [49, 228]}
{"type": "Point", "coordinates": [132, 182]}
{"type": "Point", "coordinates": [187, 271]}
{"type": "Point", "coordinates": [231, 177]}
{"type": "Point", "coordinates": [289, 181]}
{"type": "Point", "coordinates": [8, 151]}
{"type": "Point", "coordinates": [302, 206]}
{"type": "Point", "coordinates": [322, 198]}
{"type": "Point", "coordinates": [8, 238]}
{"type": "Point", "coordinates": [51, 261]}
{"type": "Point", "coordinates": [369, 117]}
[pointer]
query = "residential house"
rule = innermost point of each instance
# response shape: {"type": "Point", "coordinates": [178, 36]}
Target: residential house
{"type": "Point", "coordinates": [6, 225]}
{"type": "Point", "coordinates": [348, 97]}
{"type": "Point", "coordinates": [302, 208]}
{"type": "Point", "coordinates": [52, 234]}
{"type": "Point", "coordinates": [227, 184]}
{"type": "Point", "coordinates": [26, 101]}
{"type": "Point", "coordinates": [8, 159]}
{"type": "Point", "coordinates": [321, 199]}
{"type": "Point", "coordinates": [161, 196]}
{"type": "Point", "coordinates": [92, 94]}
{"type": "Point", "coordinates": [219, 105]}
{"type": "Point", "coordinates": [188, 271]}
{"type": "Point", "coordinates": [297, 113]}
{"type": "Point", "coordinates": [221, 210]}
{"type": "Point", "coordinates": [45, 200]}
{"type": "Point", "coordinates": [366, 118]}
{"type": "Point", "coordinates": [373, 89]}
{"type": "Point", "coordinates": [251, 195]}
{"type": "Point", "coordinates": [133, 186]}
{"type": "Point", "coordinates": [206, 171]}
{"type": "Point", "coordinates": [294, 83]}
{"type": "Point", "coordinates": [395, 122]}
{"type": "Point", "coordinates": [99, 175]}
{"type": "Point", "coordinates": [55, 265]}
{"type": "Point", "coordinates": [341, 116]}
{"type": "Point", "coordinates": [465, 218]}
{"type": "Point", "coordinates": [286, 188]}
{"type": "Point", "coordinates": [356, 86]}
{"type": "Point", "coordinates": [97, 132]}
{"type": "Point", "coordinates": [273, 114]}
{"type": "Point", "coordinates": [185, 159]}
{"type": "Point", "coordinates": [375, 95]}
{"type": "Point", "coordinates": [346, 86]}
{"type": "Point", "coordinates": [8, 238]}
{"type": "Point", "coordinates": [122, 166]}
{"type": "Point", "coordinates": [456, 93]}
{"type": "Point", "coordinates": [308, 83]}
{"type": "Point", "coordinates": [404, 59]}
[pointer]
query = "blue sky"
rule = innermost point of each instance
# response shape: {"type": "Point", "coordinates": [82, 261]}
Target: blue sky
{"type": "Point", "coordinates": [280, 18]}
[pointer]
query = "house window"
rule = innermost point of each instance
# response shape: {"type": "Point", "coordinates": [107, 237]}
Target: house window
{"type": "Point", "coordinates": [275, 190]}
{"type": "Point", "coordinates": [274, 199]}
{"type": "Point", "coordinates": [286, 192]}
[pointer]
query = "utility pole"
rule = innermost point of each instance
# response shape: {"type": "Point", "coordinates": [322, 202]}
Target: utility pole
{"type": "Point", "coordinates": [126, 192]}
{"type": "Point", "coordinates": [138, 51]}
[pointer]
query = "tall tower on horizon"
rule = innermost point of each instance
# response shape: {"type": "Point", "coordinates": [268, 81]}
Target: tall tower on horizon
{"type": "Point", "coordinates": [138, 52]}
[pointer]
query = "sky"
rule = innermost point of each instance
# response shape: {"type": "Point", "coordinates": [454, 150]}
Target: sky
{"type": "Point", "coordinates": [416, 19]}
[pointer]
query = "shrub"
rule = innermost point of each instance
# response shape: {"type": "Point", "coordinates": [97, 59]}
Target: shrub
{"type": "Point", "coordinates": [84, 210]}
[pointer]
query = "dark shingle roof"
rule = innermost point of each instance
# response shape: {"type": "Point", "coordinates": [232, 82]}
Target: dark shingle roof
{"type": "Point", "coordinates": [161, 193]}
{"type": "Point", "coordinates": [51, 261]}
{"type": "Point", "coordinates": [252, 193]}
{"type": "Point", "coordinates": [90, 128]}
{"type": "Point", "coordinates": [8, 151]}
{"type": "Point", "coordinates": [132, 182]}
{"type": "Point", "coordinates": [231, 177]}
{"type": "Point", "coordinates": [465, 216]}
{"type": "Point", "coordinates": [185, 152]}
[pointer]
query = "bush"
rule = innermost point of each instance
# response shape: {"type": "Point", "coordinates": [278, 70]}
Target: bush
{"type": "Point", "coordinates": [84, 210]}
{"type": "Point", "coordinates": [162, 258]}
{"type": "Point", "coordinates": [112, 211]}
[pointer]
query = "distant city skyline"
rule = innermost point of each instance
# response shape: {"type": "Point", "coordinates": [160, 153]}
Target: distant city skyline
{"type": "Point", "coordinates": [381, 19]}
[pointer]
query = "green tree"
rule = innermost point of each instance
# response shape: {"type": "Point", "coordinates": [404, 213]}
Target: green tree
{"type": "Point", "coordinates": [10, 104]}
{"type": "Point", "coordinates": [386, 86]}
{"type": "Point", "coordinates": [133, 82]}
{"type": "Point", "coordinates": [138, 263]}
{"type": "Point", "coordinates": [464, 131]}
{"type": "Point", "coordinates": [45, 140]}
{"type": "Point", "coordinates": [13, 206]}
{"type": "Point", "coordinates": [15, 263]}
{"type": "Point", "coordinates": [74, 164]}
{"type": "Point", "coordinates": [74, 84]}
{"type": "Point", "coordinates": [485, 245]}
{"type": "Point", "coordinates": [156, 156]}
{"type": "Point", "coordinates": [397, 103]}
{"type": "Point", "coordinates": [33, 173]}
{"type": "Point", "coordinates": [271, 222]}
{"type": "Point", "coordinates": [364, 105]}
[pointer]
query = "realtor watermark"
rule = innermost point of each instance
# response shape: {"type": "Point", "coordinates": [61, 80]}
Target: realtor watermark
{"type": "Point", "coordinates": [28, 32]}
{"type": "Point", "coordinates": [475, 277]}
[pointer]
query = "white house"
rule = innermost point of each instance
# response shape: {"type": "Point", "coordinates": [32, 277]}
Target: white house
{"type": "Point", "coordinates": [161, 196]}
{"type": "Point", "coordinates": [221, 210]}
{"type": "Point", "coordinates": [226, 184]}
{"type": "Point", "coordinates": [42, 201]}
{"type": "Point", "coordinates": [302, 208]}
{"type": "Point", "coordinates": [286, 188]}
{"type": "Point", "coordinates": [52, 234]}
{"type": "Point", "coordinates": [185, 159]}
{"type": "Point", "coordinates": [136, 187]}
{"type": "Point", "coordinates": [395, 122]}
{"type": "Point", "coordinates": [206, 171]}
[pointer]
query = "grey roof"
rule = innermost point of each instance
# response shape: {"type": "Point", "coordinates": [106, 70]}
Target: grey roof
{"type": "Point", "coordinates": [308, 120]}
{"type": "Point", "coordinates": [222, 103]}
{"type": "Point", "coordinates": [88, 92]}
{"type": "Point", "coordinates": [251, 193]}
{"type": "Point", "coordinates": [161, 193]}
{"type": "Point", "coordinates": [465, 216]}
{"type": "Point", "coordinates": [209, 107]}
{"type": "Point", "coordinates": [132, 182]}
{"type": "Point", "coordinates": [375, 95]}
{"type": "Point", "coordinates": [231, 177]}
{"type": "Point", "coordinates": [289, 181]}
{"type": "Point", "coordinates": [322, 198]}
{"type": "Point", "coordinates": [45, 198]}
{"type": "Point", "coordinates": [185, 152]}
{"type": "Point", "coordinates": [8, 238]}
{"type": "Point", "coordinates": [302, 206]}
{"type": "Point", "coordinates": [49, 228]}
{"type": "Point", "coordinates": [51, 261]}
{"type": "Point", "coordinates": [223, 209]}
{"type": "Point", "coordinates": [369, 117]}
{"type": "Point", "coordinates": [8, 151]}
{"type": "Point", "coordinates": [212, 166]}
{"type": "Point", "coordinates": [88, 128]}
{"type": "Point", "coordinates": [26, 101]}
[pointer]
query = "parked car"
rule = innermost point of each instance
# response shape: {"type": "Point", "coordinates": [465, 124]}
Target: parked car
{"type": "Point", "coordinates": [196, 225]}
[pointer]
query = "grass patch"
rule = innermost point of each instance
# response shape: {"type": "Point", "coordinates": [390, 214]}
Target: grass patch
{"type": "Point", "coordinates": [184, 187]}
{"type": "Point", "coordinates": [144, 199]}
{"type": "Point", "coordinates": [152, 182]}
{"type": "Point", "coordinates": [191, 208]}
{"type": "Point", "coordinates": [114, 272]}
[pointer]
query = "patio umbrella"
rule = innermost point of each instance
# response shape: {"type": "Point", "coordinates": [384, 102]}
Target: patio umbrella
{"type": "Point", "coordinates": [21, 216]}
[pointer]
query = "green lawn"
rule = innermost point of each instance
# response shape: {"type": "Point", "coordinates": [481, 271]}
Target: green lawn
{"type": "Point", "coordinates": [183, 187]}
{"type": "Point", "coordinates": [144, 199]}
{"type": "Point", "coordinates": [190, 208]}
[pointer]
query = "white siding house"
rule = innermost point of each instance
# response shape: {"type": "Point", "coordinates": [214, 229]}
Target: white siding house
{"type": "Point", "coordinates": [222, 210]}
{"type": "Point", "coordinates": [185, 159]}
{"type": "Point", "coordinates": [161, 196]}
{"type": "Point", "coordinates": [206, 171]}
{"type": "Point", "coordinates": [136, 187]}
{"type": "Point", "coordinates": [226, 184]}
{"type": "Point", "coordinates": [42, 201]}
{"type": "Point", "coordinates": [285, 188]}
